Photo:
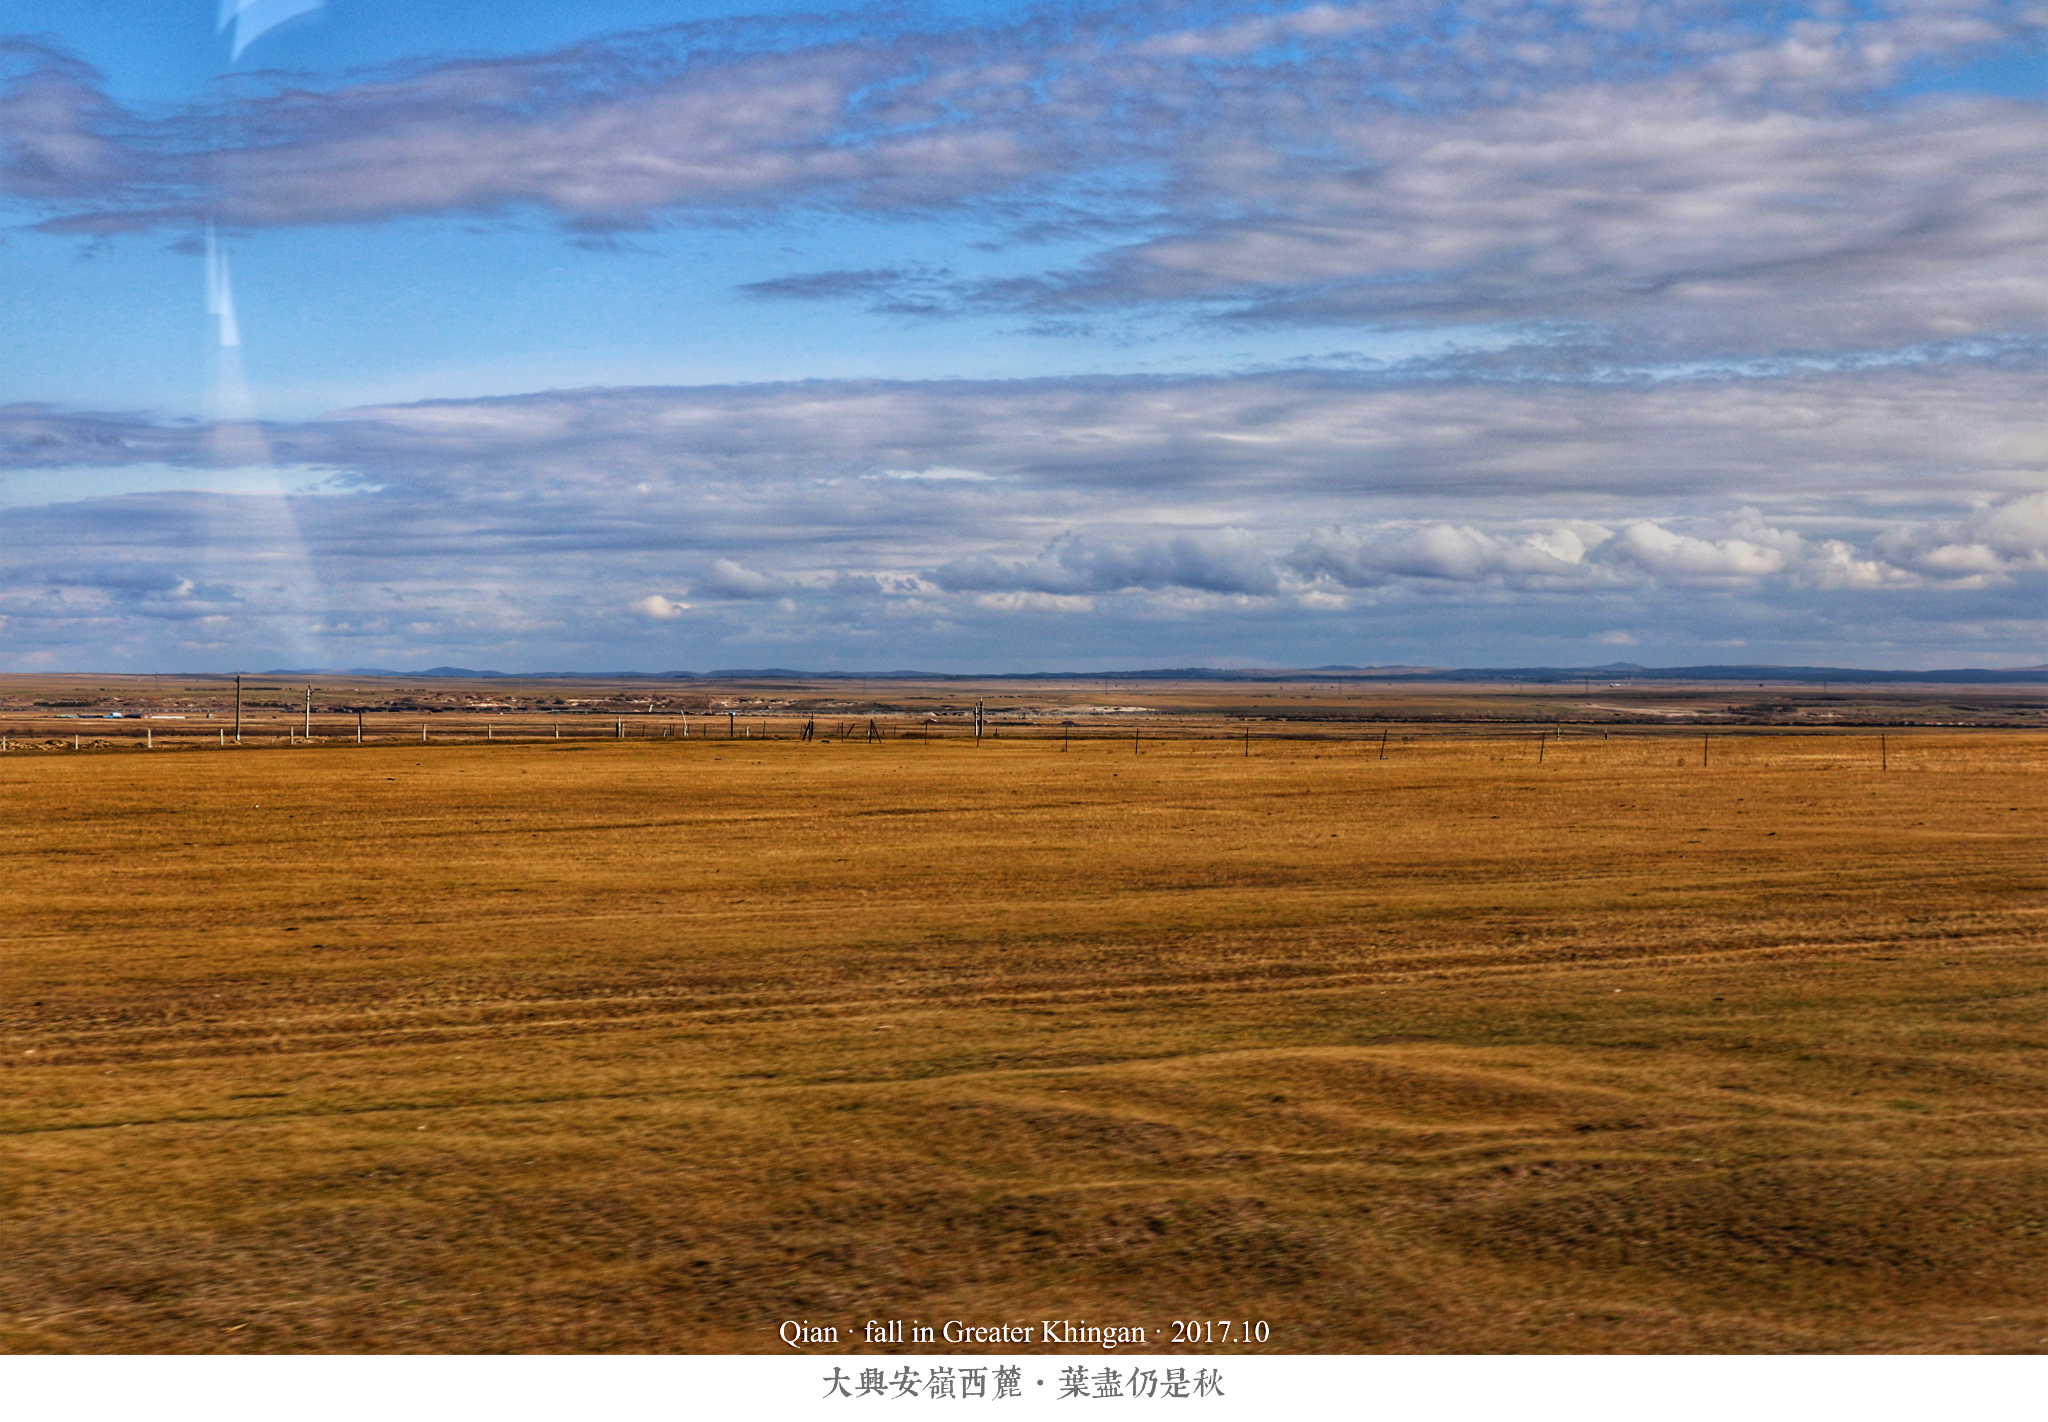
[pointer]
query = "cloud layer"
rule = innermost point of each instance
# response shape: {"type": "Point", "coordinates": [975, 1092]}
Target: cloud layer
{"type": "Point", "coordinates": [1658, 182]}
{"type": "Point", "coordinates": [1090, 518]}
{"type": "Point", "coordinates": [1739, 322]}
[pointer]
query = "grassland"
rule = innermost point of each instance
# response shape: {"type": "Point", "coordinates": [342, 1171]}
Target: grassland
{"type": "Point", "coordinates": [650, 1045]}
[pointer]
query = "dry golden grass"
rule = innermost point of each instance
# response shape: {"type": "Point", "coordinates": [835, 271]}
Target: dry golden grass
{"type": "Point", "coordinates": [649, 1046]}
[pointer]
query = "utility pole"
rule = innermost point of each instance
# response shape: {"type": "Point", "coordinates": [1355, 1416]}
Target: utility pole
{"type": "Point", "coordinates": [238, 708]}
{"type": "Point", "coordinates": [309, 713]}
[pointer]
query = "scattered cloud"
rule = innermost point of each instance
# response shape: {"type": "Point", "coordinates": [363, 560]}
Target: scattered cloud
{"type": "Point", "coordinates": [1659, 219]}
{"type": "Point", "coordinates": [63, 143]}
{"type": "Point", "coordinates": [1221, 560]}
{"type": "Point", "coordinates": [896, 291]}
{"type": "Point", "coordinates": [1444, 552]}
{"type": "Point", "coordinates": [659, 608]}
{"type": "Point", "coordinates": [942, 474]}
{"type": "Point", "coordinates": [734, 580]}
{"type": "Point", "coordinates": [1681, 558]}
{"type": "Point", "coordinates": [1034, 602]}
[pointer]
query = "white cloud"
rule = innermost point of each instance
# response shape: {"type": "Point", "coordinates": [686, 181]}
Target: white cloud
{"type": "Point", "coordinates": [1443, 551]}
{"type": "Point", "coordinates": [941, 475]}
{"type": "Point", "coordinates": [1833, 563]}
{"type": "Point", "coordinates": [735, 580]}
{"type": "Point", "coordinates": [1667, 212]}
{"type": "Point", "coordinates": [1033, 602]}
{"type": "Point", "coordinates": [2000, 538]}
{"type": "Point", "coordinates": [2016, 528]}
{"type": "Point", "coordinates": [57, 139]}
{"type": "Point", "coordinates": [1683, 558]}
{"type": "Point", "coordinates": [1220, 560]}
{"type": "Point", "coordinates": [655, 606]}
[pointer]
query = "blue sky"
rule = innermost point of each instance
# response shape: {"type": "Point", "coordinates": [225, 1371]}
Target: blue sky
{"type": "Point", "coordinates": [996, 337]}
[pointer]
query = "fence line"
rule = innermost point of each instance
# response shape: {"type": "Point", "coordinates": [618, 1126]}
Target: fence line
{"type": "Point", "coordinates": [1557, 743]}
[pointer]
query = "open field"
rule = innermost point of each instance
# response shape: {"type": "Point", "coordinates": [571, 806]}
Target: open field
{"type": "Point", "coordinates": [650, 1045]}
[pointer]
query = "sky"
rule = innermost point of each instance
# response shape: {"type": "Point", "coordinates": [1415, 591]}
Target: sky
{"type": "Point", "coordinates": [636, 335]}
